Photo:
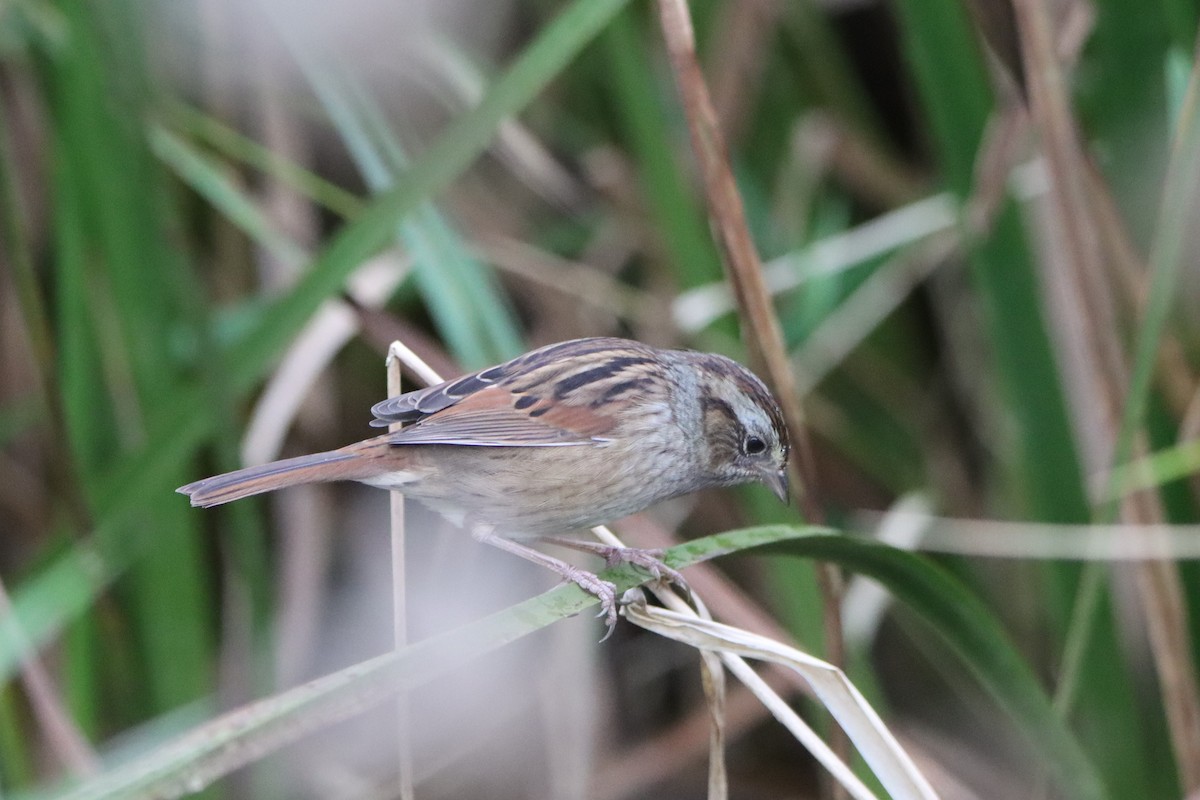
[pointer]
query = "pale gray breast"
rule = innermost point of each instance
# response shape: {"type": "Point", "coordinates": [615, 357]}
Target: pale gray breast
{"type": "Point", "coordinates": [536, 491]}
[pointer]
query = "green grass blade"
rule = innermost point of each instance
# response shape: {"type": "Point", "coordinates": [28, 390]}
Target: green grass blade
{"type": "Point", "coordinates": [1123, 102]}
{"type": "Point", "coordinates": [1046, 466]}
{"type": "Point", "coordinates": [1176, 220]}
{"type": "Point", "coordinates": [16, 750]}
{"type": "Point", "coordinates": [462, 295]}
{"type": "Point", "coordinates": [959, 101]}
{"type": "Point", "coordinates": [68, 586]}
{"type": "Point", "coordinates": [972, 631]}
{"type": "Point", "coordinates": [463, 141]}
{"type": "Point", "coordinates": [644, 115]}
{"type": "Point", "coordinates": [213, 182]}
{"type": "Point", "coordinates": [174, 434]}
{"type": "Point", "coordinates": [120, 268]}
{"type": "Point", "coordinates": [944, 603]}
{"type": "Point", "coordinates": [1158, 468]}
{"type": "Point", "coordinates": [234, 145]}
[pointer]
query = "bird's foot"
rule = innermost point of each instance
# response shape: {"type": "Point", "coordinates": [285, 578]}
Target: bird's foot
{"type": "Point", "coordinates": [648, 559]}
{"type": "Point", "coordinates": [604, 591]}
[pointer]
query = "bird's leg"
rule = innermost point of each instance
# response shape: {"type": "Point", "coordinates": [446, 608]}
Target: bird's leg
{"type": "Point", "coordinates": [648, 559]}
{"type": "Point", "coordinates": [589, 582]}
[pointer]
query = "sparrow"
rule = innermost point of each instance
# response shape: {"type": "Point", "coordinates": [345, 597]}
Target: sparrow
{"type": "Point", "coordinates": [560, 439]}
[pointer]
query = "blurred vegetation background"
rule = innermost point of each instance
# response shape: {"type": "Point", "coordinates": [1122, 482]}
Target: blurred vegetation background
{"type": "Point", "coordinates": [979, 219]}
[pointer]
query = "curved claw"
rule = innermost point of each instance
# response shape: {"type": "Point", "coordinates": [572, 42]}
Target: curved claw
{"type": "Point", "coordinates": [605, 591]}
{"type": "Point", "coordinates": [648, 559]}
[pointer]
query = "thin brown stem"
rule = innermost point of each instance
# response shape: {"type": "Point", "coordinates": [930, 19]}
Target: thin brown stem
{"type": "Point", "coordinates": [760, 325]}
{"type": "Point", "coordinates": [63, 736]}
{"type": "Point", "coordinates": [1105, 374]}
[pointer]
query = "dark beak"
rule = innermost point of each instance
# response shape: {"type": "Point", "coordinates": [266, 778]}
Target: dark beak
{"type": "Point", "coordinates": [777, 482]}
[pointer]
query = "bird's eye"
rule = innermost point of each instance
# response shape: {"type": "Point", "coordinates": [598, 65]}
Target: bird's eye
{"type": "Point", "coordinates": [754, 446]}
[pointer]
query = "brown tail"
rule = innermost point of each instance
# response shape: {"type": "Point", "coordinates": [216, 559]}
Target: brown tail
{"type": "Point", "coordinates": [317, 468]}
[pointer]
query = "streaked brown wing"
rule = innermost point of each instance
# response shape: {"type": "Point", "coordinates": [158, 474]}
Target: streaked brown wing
{"type": "Point", "coordinates": [431, 400]}
{"type": "Point", "coordinates": [548, 397]}
{"type": "Point", "coordinates": [496, 417]}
